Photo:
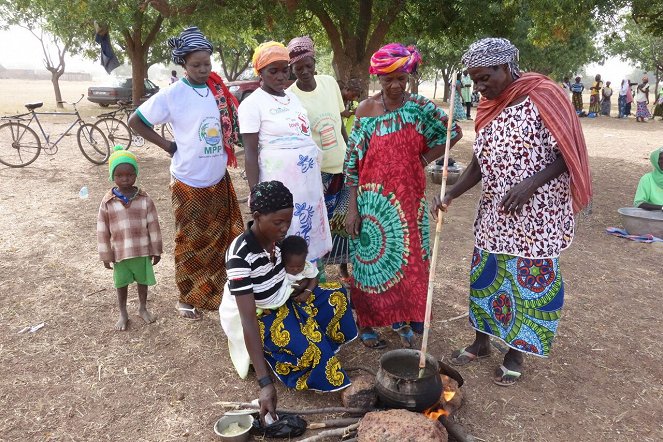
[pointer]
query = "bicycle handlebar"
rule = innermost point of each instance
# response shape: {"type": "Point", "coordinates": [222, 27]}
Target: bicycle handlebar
{"type": "Point", "coordinates": [72, 103]}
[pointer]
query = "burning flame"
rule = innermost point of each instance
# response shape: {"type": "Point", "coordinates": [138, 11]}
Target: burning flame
{"type": "Point", "coordinates": [435, 412]}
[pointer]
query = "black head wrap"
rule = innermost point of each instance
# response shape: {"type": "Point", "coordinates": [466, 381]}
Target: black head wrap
{"type": "Point", "coordinates": [270, 196]}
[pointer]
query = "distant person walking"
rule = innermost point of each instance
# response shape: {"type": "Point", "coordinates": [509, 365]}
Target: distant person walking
{"type": "Point", "coordinates": [642, 99]}
{"type": "Point", "coordinates": [606, 93]}
{"type": "Point", "coordinates": [173, 77]}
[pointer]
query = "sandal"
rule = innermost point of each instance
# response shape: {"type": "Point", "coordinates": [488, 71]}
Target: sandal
{"type": "Point", "coordinates": [405, 333]}
{"type": "Point", "coordinates": [197, 316]}
{"type": "Point", "coordinates": [505, 377]}
{"type": "Point", "coordinates": [463, 357]}
{"type": "Point", "coordinates": [371, 339]}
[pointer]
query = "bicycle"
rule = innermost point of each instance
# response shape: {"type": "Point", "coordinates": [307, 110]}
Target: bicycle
{"type": "Point", "coordinates": [117, 130]}
{"type": "Point", "coordinates": [20, 145]}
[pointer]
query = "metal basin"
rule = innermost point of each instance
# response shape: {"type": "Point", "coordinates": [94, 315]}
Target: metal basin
{"type": "Point", "coordinates": [453, 173]}
{"type": "Point", "coordinates": [642, 222]}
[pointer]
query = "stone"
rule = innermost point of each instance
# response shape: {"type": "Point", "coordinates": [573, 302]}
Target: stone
{"type": "Point", "coordinates": [361, 394]}
{"type": "Point", "coordinates": [399, 426]}
{"type": "Point", "coordinates": [451, 386]}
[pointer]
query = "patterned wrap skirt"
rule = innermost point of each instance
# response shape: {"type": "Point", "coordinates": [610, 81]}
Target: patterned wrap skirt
{"type": "Point", "coordinates": [518, 300]}
{"type": "Point", "coordinates": [594, 105]}
{"type": "Point", "coordinates": [642, 111]}
{"type": "Point", "coordinates": [576, 98]}
{"type": "Point", "coordinates": [337, 196]}
{"type": "Point", "coordinates": [300, 341]}
{"type": "Point", "coordinates": [206, 221]}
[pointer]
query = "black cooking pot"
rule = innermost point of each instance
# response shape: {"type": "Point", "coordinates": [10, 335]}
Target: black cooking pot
{"type": "Point", "coordinates": [398, 383]}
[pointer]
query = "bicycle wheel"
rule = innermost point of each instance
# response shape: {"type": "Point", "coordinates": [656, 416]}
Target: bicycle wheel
{"type": "Point", "coordinates": [19, 145]}
{"type": "Point", "coordinates": [167, 132]}
{"type": "Point", "coordinates": [93, 143]}
{"type": "Point", "coordinates": [116, 131]}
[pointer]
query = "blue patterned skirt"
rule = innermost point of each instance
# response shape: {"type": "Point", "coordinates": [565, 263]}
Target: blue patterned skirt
{"type": "Point", "coordinates": [300, 341]}
{"type": "Point", "coordinates": [518, 300]}
{"type": "Point", "coordinates": [337, 197]}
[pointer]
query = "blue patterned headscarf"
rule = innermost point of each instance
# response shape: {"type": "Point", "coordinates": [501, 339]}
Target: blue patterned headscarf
{"type": "Point", "coordinates": [189, 40]}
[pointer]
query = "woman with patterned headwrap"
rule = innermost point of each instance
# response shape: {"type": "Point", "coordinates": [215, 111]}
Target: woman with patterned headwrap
{"type": "Point", "coordinates": [531, 160]}
{"type": "Point", "coordinates": [203, 114]}
{"type": "Point", "coordinates": [397, 134]}
{"type": "Point", "coordinates": [279, 146]}
{"type": "Point", "coordinates": [322, 99]}
{"type": "Point", "coordinates": [294, 337]}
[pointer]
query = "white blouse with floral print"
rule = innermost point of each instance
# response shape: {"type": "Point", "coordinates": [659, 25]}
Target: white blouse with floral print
{"type": "Point", "coordinates": [513, 147]}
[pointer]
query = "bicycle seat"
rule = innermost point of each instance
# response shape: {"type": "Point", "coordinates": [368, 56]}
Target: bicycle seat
{"type": "Point", "coordinates": [124, 103]}
{"type": "Point", "coordinates": [33, 106]}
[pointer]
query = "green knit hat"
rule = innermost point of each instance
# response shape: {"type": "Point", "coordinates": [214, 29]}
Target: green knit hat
{"type": "Point", "coordinates": [120, 156]}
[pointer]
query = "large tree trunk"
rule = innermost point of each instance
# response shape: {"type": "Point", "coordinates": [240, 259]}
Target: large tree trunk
{"type": "Point", "coordinates": [446, 78]}
{"type": "Point", "coordinates": [55, 79]}
{"type": "Point", "coordinates": [437, 75]}
{"type": "Point", "coordinates": [354, 43]}
{"type": "Point", "coordinates": [137, 50]}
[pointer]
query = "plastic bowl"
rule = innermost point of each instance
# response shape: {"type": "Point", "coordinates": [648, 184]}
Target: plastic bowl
{"type": "Point", "coordinates": [642, 222]}
{"type": "Point", "coordinates": [244, 421]}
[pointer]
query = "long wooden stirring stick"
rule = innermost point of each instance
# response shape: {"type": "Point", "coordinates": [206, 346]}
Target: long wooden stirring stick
{"type": "Point", "coordinates": [436, 243]}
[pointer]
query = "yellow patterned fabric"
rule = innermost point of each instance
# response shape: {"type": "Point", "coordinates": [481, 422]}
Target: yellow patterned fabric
{"type": "Point", "coordinates": [206, 220]}
{"type": "Point", "coordinates": [300, 340]}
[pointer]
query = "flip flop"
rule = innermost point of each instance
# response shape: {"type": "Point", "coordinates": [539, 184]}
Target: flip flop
{"type": "Point", "coordinates": [197, 315]}
{"type": "Point", "coordinates": [502, 373]}
{"type": "Point", "coordinates": [405, 333]}
{"type": "Point", "coordinates": [372, 340]}
{"type": "Point", "coordinates": [463, 357]}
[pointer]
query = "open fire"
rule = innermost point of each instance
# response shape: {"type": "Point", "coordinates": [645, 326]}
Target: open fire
{"type": "Point", "coordinates": [437, 411]}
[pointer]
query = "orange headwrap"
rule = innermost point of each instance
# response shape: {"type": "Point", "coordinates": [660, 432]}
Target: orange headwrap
{"type": "Point", "coordinates": [561, 120]}
{"type": "Point", "coordinates": [267, 53]}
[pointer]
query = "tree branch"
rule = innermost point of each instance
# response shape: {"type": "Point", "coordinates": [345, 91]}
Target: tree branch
{"type": "Point", "coordinates": [164, 8]}
{"type": "Point", "coordinates": [363, 24]}
{"type": "Point", "coordinates": [383, 26]}
{"type": "Point", "coordinates": [333, 34]}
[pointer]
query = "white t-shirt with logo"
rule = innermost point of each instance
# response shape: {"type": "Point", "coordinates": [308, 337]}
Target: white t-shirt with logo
{"type": "Point", "coordinates": [324, 105]}
{"type": "Point", "coordinates": [200, 159]}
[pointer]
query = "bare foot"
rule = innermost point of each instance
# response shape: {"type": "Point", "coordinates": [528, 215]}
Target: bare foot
{"type": "Point", "coordinates": [147, 316]}
{"type": "Point", "coordinates": [121, 325]}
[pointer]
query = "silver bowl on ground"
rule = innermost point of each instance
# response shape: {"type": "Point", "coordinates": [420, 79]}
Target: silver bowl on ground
{"type": "Point", "coordinates": [434, 171]}
{"type": "Point", "coordinates": [642, 222]}
{"type": "Point", "coordinates": [243, 421]}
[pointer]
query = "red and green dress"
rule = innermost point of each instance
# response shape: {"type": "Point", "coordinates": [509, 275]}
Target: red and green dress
{"type": "Point", "coordinates": [390, 256]}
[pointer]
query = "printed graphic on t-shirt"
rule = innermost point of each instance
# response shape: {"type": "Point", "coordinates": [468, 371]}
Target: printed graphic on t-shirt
{"type": "Point", "coordinates": [300, 124]}
{"type": "Point", "coordinates": [324, 132]}
{"type": "Point", "coordinates": [210, 133]}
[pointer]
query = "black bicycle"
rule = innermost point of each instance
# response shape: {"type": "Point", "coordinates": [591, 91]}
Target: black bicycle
{"type": "Point", "coordinates": [116, 128]}
{"type": "Point", "coordinates": [20, 145]}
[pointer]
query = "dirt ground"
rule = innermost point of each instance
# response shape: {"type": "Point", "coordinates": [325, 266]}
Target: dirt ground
{"type": "Point", "coordinates": [77, 379]}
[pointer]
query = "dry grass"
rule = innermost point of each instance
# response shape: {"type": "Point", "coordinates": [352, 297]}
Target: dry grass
{"type": "Point", "coordinates": [78, 380]}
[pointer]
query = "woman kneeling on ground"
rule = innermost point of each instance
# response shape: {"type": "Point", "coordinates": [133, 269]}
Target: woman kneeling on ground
{"type": "Point", "coordinates": [296, 338]}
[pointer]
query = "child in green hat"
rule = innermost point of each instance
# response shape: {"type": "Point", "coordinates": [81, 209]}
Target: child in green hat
{"type": "Point", "coordinates": [128, 234]}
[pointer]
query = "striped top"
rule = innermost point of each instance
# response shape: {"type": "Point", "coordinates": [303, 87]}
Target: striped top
{"type": "Point", "coordinates": [250, 269]}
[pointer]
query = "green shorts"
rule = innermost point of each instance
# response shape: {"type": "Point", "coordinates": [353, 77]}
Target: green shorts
{"type": "Point", "coordinates": [137, 270]}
